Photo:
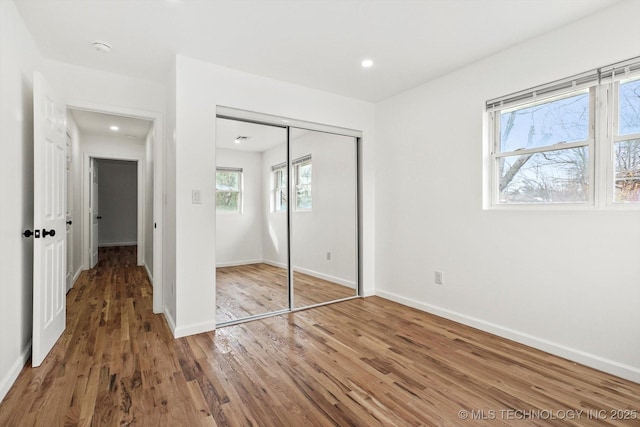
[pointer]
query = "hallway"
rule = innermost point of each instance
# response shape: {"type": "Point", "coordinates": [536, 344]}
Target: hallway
{"type": "Point", "coordinates": [94, 374]}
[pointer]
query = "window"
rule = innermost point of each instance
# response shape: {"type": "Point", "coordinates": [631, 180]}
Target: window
{"type": "Point", "coordinates": [302, 182]}
{"type": "Point", "coordinates": [544, 141]}
{"type": "Point", "coordinates": [626, 143]}
{"type": "Point", "coordinates": [542, 153]}
{"type": "Point", "coordinates": [279, 187]}
{"type": "Point", "coordinates": [228, 190]}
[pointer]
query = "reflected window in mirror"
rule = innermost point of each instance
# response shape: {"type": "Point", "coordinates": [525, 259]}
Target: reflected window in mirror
{"type": "Point", "coordinates": [228, 190]}
{"type": "Point", "coordinates": [279, 187]}
{"type": "Point", "coordinates": [302, 174]}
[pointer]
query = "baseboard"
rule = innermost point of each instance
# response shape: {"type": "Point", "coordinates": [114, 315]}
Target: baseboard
{"type": "Point", "coordinates": [332, 279]}
{"type": "Point", "coordinates": [237, 263]}
{"type": "Point", "coordinates": [613, 367]}
{"type": "Point", "coordinates": [16, 368]}
{"type": "Point", "coordinates": [336, 280]}
{"type": "Point", "coordinates": [274, 263]}
{"type": "Point", "coordinates": [108, 245]}
{"type": "Point", "coordinates": [76, 276]}
{"type": "Point", "coordinates": [183, 331]}
{"type": "Point", "coordinates": [170, 321]}
{"type": "Point", "coordinates": [146, 267]}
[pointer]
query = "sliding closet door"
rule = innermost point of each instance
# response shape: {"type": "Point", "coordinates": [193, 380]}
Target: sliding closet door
{"type": "Point", "coordinates": [251, 220]}
{"type": "Point", "coordinates": [324, 244]}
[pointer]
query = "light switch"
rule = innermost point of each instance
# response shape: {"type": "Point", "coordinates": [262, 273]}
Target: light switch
{"type": "Point", "coordinates": [195, 197]}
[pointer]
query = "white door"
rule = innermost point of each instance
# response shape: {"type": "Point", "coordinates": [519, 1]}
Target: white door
{"type": "Point", "coordinates": [94, 216]}
{"type": "Point", "coordinates": [49, 199]}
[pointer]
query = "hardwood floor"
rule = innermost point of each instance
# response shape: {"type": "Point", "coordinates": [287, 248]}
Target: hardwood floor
{"type": "Point", "coordinates": [365, 362]}
{"type": "Point", "coordinates": [247, 290]}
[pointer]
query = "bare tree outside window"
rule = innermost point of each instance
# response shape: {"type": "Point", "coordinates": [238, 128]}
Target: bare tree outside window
{"type": "Point", "coordinates": [553, 173]}
{"type": "Point", "coordinates": [627, 151]}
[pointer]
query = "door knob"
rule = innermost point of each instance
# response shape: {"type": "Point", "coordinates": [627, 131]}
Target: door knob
{"type": "Point", "coordinates": [99, 217]}
{"type": "Point", "coordinates": [27, 233]}
{"type": "Point", "coordinates": [46, 233]}
{"type": "Point", "coordinates": [69, 222]}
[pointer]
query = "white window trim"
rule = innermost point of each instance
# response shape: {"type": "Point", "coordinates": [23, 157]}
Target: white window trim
{"type": "Point", "coordinates": [275, 188]}
{"type": "Point", "coordinates": [240, 191]}
{"type": "Point", "coordinates": [295, 166]}
{"type": "Point", "coordinates": [612, 137]}
{"type": "Point", "coordinates": [496, 154]}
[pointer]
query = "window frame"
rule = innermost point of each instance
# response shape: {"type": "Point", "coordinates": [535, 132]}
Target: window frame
{"type": "Point", "coordinates": [240, 208]}
{"type": "Point", "coordinates": [276, 189]}
{"type": "Point", "coordinates": [496, 154]}
{"type": "Point", "coordinates": [295, 169]}
{"type": "Point", "coordinates": [613, 137]}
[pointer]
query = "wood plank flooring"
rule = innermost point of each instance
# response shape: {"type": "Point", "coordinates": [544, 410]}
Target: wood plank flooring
{"type": "Point", "coordinates": [365, 362]}
{"type": "Point", "coordinates": [247, 290]}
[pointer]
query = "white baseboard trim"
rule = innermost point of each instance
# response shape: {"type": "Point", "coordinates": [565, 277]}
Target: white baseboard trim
{"type": "Point", "coordinates": [14, 371]}
{"type": "Point", "coordinates": [170, 322]}
{"type": "Point", "coordinates": [237, 263]}
{"type": "Point", "coordinates": [332, 279]}
{"type": "Point", "coordinates": [336, 280]}
{"type": "Point", "coordinates": [76, 276]}
{"type": "Point", "coordinates": [198, 328]}
{"type": "Point", "coordinates": [107, 245]}
{"type": "Point", "coordinates": [613, 367]}
{"type": "Point", "coordinates": [146, 267]}
{"type": "Point", "coordinates": [274, 263]}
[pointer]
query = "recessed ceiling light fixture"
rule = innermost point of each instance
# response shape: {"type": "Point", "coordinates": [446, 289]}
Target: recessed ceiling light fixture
{"type": "Point", "coordinates": [240, 139]}
{"type": "Point", "coordinates": [101, 46]}
{"type": "Point", "coordinates": [114, 128]}
{"type": "Point", "coordinates": [367, 63]}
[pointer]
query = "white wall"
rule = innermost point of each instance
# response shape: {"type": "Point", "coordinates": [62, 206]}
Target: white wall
{"type": "Point", "coordinates": [19, 57]}
{"type": "Point", "coordinates": [567, 282]}
{"type": "Point", "coordinates": [118, 202]}
{"type": "Point", "coordinates": [200, 87]}
{"type": "Point", "coordinates": [239, 235]}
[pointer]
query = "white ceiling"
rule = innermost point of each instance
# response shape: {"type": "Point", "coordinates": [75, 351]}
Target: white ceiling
{"type": "Point", "coordinates": [259, 137]}
{"type": "Point", "coordinates": [318, 44]}
{"type": "Point", "coordinates": [93, 123]}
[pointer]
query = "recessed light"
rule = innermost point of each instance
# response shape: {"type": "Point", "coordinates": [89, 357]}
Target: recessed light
{"type": "Point", "coordinates": [114, 128]}
{"type": "Point", "coordinates": [101, 46]}
{"type": "Point", "coordinates": [367, 63]}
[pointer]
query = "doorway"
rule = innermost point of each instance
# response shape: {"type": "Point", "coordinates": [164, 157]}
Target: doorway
{"type": "Point", "coordinates": [113, 205]}
{"type": "Point", "coordinates": [286, 218]}
{"type": "Point", "coordinates": [117, 152]}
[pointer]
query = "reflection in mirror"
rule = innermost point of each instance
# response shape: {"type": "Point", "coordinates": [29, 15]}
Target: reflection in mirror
{"type": "Point", "coordinates": [251, 221]}
{"type": "Point", "coordinates": [324, 216]}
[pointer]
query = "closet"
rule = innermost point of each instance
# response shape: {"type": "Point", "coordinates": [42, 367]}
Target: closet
{"type": "Point", "coordinates": [286, 216]}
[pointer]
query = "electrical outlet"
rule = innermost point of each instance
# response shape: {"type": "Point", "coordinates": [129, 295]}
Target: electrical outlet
{"type": "Point", "coordinates": [438, 278]}
{"type": "Point", "coordinates": [328, 256]}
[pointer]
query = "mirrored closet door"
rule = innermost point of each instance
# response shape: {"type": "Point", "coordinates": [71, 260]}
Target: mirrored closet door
{"type": "Point", "coordinates": [323, 216]}
{"type": "Point", "coordinates": [286, 219]}
{"type": "Point", "coordinates": [252, 276]}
